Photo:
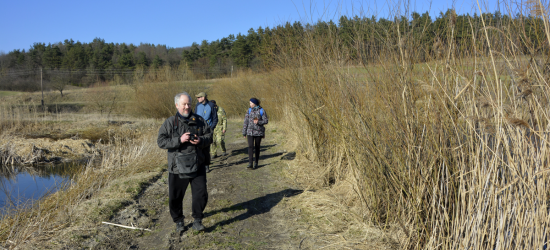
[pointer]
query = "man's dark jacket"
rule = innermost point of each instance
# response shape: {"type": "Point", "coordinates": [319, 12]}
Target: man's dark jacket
{"type": "Point", "coordinates": [169, 138]}
{"type": "Point", "coordinates": [213, 113]}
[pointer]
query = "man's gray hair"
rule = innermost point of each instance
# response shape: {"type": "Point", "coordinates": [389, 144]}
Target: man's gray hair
{"type": "Point", "coordinates": [178, 96]}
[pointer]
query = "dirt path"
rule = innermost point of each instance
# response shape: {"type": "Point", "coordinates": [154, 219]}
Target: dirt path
{"type": "Point", "coordinates": [244, 211]}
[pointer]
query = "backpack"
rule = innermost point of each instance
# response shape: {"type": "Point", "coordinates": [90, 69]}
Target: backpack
{"type": "Point", "coordinates": [261, 111]}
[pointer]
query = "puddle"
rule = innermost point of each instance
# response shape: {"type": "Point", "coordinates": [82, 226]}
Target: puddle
{"type": "Point", "coordinates": [21, 185]}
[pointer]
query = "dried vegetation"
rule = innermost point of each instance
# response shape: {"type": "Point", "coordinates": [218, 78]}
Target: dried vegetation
{"type": "Point", "coordinates": [448, 154]}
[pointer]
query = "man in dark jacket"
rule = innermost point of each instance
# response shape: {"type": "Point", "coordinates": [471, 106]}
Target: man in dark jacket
{"type": "Point", "coordinates": [206, 110]}
{"type": "Point", "coordinates": [186, 136]}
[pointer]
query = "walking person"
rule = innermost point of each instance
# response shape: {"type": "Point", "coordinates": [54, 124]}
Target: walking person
{"type": "Point", "coordinates": [254, 131]}
{"type": "Point", "coordinates": [206, 110]}
{"type": "Point", "coordinates": [219, 132]}
{"type": "Point", "coordinates": [186, 136]}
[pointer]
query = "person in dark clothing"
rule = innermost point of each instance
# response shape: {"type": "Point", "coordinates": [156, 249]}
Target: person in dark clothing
{"type": "Point", "coordinates": [186, 136]}
{"type": "Point", "coordinates": [206, 110]}
{"type": "Point", "coordinates": [254, 131]}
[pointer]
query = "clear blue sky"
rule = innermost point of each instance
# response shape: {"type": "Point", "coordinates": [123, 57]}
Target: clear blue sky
{"type": "Point", "coordinates": [180, 23]}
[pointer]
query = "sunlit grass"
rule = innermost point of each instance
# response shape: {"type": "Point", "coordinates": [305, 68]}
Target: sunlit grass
{"type": "Point", "coordinates": [9, 93]}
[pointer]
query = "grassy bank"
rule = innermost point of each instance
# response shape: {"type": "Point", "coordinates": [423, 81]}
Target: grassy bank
{"type": "Point", "coordinates": [126, 165]}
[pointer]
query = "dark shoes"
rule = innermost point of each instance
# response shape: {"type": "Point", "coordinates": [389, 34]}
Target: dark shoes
{"type": "Point", "coordinates": [208, 169]}
{"type": "Point", "coordinates": [197, 225]}
{"type": "Point", "coordinates": [180, 227]}
{"type": "Point", "coordinates": [216, 156]}
{"type": "Point", "coordinates": [249, 166]}
{"type": "Point", "coordinates": [255, 165]}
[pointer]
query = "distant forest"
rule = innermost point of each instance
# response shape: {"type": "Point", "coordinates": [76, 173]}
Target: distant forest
{"type": "Point", "coordinates": [258, 50]}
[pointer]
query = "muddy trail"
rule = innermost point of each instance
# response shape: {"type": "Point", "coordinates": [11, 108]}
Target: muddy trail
{"type": "Point", "coordinates": [246, 208]}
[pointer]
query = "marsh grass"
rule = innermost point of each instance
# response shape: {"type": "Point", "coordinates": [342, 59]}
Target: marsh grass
{"type": "Point", "coordinates": [95, 194]}
{"type": "Point", "coordinates": [451, 153]}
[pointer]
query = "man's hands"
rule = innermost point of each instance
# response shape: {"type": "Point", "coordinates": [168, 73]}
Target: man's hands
{"type": "Point", "coordinates": [187, 138]}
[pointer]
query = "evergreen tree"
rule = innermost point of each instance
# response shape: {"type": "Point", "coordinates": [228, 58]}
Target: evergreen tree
{"type": "Point", "coordinates": [142, 59]}
{"type": "Point", "coordinates": [126, 60]}
{"type": "Point", "coordinates": [157, 62]}
{"type": "Point", "coordinates": [52, 57]}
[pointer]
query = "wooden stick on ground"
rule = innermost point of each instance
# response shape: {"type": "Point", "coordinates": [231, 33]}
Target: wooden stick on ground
{"type": "Point", "coordinates": [118, 225]}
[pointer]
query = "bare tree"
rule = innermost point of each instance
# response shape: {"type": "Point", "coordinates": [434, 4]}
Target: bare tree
{"type": "Point", "coordinates": [58, 81]}
{"type": "Point", "coordinates": [58, 85]}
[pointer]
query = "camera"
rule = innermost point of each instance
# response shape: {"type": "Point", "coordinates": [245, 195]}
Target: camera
{"type": "Point", "coordinates": [192, 137]}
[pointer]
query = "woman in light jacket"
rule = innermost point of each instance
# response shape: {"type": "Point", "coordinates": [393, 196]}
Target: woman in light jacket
{"type": "Point", "coordinates": [254, 131]}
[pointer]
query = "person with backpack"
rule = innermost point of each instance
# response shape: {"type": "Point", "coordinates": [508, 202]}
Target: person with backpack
{"type": "Point", "coordinates": [206, 110]}
{"type": "Point", "coordinates": [254, 131]}
{"type": "Point", "coordinates": [186, 136]}
{"type": "Point", "coordinates": [219, 132]}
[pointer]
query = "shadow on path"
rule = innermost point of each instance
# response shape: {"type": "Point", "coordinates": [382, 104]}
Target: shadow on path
{"type": "Point", "coordinates": [245, 149]}
{"type": "Point", "coordinates": [222, 162]}
{"type": "Point", "coordinates": [256, 206]}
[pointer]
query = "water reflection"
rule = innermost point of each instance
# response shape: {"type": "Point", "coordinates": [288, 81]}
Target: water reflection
{"type": "Point", "coordinates": [20, 185]}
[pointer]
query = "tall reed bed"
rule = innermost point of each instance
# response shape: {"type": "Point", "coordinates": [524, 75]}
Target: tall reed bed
{"type": "Point", "coordinates": [453, 151]}
{"type": "Point", "coordinates": [19, 114]}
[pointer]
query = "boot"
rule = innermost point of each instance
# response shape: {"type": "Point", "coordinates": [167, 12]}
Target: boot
{"type": "Point", "coordinates": [197, 225]}
{"type": "Point", "coordinates": [255, 165]}
{"type": "Point", "coordinates": [180, 227]}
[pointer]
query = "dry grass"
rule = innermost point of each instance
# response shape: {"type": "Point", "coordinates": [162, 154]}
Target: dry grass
{"type": "Point", "coordinates": [233, 94]}
{"type": "Point", "coordinates": [94, 195]}
{"type": "Point", "coordinates": [156, 99]}
{"type": "Point", "coordinates": [454, 153]}
{"type": "Point", "coordinates": [128, 159]}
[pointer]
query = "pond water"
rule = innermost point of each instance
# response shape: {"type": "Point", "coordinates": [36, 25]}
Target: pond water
{"type": "Point", "coordinates": [21, 185]}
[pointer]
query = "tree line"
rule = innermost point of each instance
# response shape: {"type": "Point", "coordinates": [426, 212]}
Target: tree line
{"type": "Point", "coordinates": [362, 39]}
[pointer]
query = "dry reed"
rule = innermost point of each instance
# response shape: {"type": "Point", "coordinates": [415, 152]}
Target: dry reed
{"type": "Point", "coordinates": [414, 154]}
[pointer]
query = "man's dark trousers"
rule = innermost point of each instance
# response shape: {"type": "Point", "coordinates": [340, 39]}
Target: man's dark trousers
{"type": "Point", "coordinates": [176, 191]}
